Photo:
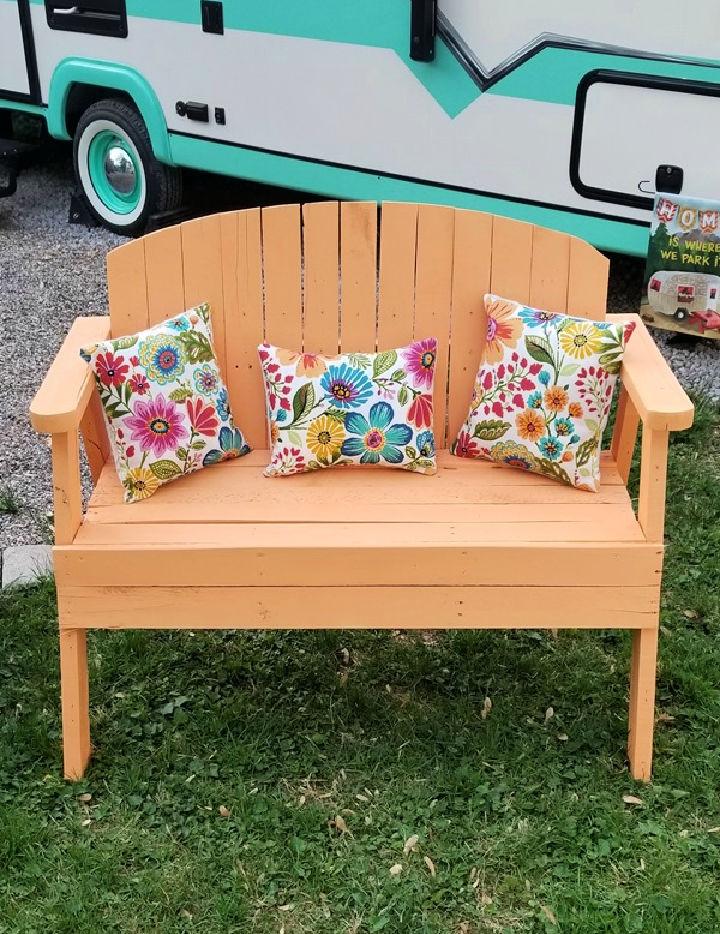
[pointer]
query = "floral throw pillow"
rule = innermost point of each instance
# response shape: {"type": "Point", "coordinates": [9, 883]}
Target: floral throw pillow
{"type": "Point", "coordinates": [165, 402]}
{"type": "Point", "coordinates": [350, 409]}
{"type": "Point", "coordinates": [543, 392]}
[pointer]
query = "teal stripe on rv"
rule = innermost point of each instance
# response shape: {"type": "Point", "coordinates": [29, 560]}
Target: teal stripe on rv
{"type": "Point", "coordinates": [340, 182]}
{"type": "Point", "coordinates": [552, 75]}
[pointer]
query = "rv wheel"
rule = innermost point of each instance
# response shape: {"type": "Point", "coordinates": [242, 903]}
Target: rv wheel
{"type": "Point", "coordinates": [120, 180]}
{"type": "Point", "coordinates": [680, 314]}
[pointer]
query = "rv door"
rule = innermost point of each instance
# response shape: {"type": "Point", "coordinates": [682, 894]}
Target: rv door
{"type": "Point", "coordinates": [14, 73]}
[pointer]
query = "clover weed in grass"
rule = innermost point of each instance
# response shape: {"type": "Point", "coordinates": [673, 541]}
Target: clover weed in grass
{"type": "Point", "coordinates": [10, 503]}
{"type": "Point", "coordinates": [223, 761]}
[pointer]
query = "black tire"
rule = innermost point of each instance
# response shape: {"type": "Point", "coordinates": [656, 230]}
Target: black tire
{"type": "Point", "coordinates": [161, 188]}
{"type": "Point", "coordinates": [681, 314]}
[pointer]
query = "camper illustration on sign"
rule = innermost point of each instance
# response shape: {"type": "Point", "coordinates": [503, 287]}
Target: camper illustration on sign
{"type": "Point", "coordinates": [682, 295]}
{"type": "Point", "coordinates": [557, 113]}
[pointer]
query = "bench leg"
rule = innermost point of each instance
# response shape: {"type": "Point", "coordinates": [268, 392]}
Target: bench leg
{"type": "Point", "coordinates": [642, 702]}
{"type": "Point", "coordinates": [75, 700]}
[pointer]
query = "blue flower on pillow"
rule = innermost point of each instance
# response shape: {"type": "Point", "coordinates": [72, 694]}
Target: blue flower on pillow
{"type": "Point", "coordinates": [346, 386]}
{"type": "Point", "coordinates": [426, 444]}
{"type": "Point", "coordinates": [376, 437]}
{"type": "Point", "coordinates": [551, 448]}
{"type": "Point", "coordinates": [231, 445]}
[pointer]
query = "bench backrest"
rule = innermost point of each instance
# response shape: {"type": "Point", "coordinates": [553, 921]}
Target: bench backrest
{"type": "Point", "coordinates": [351, 277]}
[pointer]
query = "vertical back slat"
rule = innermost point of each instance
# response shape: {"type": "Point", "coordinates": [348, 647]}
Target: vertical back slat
{"type": "Point", "coordinates": [127, 289]}
{"type": "Point", "coordinates": [202, 274]}
{"type": "Point", "coordinates": [468, 330]}
{"type": "Point", "coordinates": [358, 285]}
{"type": "Point", "coordinates": [282, 270]}
{"type": "Point", "coordinates": [398, 240]}
{"type": "Point", "coordinates": [550, 270]}
{"type": "Point", "coordinates": [587, 281]}
{"type": "Point", "coordinates": [164, 274]}
{"type": "Point", "coordinates": [243, 286]}
{"type": "Point", "coordinates": [511, 259]}
{"type": "Point", "coordinates": [433, 294]}
{"type": "Point", "coordinates": [321, 332]}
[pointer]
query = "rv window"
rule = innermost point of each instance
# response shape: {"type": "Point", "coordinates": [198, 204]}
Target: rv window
{"type": "Point", "coordinates": [98, 17]}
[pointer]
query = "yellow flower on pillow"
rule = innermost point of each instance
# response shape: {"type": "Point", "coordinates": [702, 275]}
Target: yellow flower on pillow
{"type": "Point", "coordinates": [325, 437]}
{"type": "Point", "coordinates": [580, 339]}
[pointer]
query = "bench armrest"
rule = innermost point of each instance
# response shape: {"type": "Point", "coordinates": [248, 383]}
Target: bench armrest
{"type": "Point", "coordinates": [62, 398]}
{"type": "Point", "coordinates": [658, 397]}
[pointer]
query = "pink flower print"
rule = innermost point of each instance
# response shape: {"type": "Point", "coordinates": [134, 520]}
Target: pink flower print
{"type": "Point", "coordinates": [156, 425]}
{"type": "Point", "coordinates": [420, 362]}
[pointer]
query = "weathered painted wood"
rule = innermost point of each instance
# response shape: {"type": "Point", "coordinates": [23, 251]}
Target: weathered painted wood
{"type": "Point", "coordinates": [549, 270]}
{"type": "Point", "coordinates": [95, 438]}
{"type": "Point", "coordinates": [643, 664]}
{"type": "Point", "coordinates": [625, 433]}
{"type": "Point", "coordinates": [358, 281]}
{"type": "Point", "coordinates": [164, 274]}
{"type": "Point", "coordinates": [203, 276]}
{"type": "Point", "coordinates": [468, 329]}
{"type": "Point", "coordinates": [267, 557]}
{"type": "Point", "coordinates": [321, 320]}
{"type": "Point", "coordinates": [282, 260]}
{"type": "Point", "coordinates": [433, 297]}
{"type": "Point", "coordinates": [297, 607]}
{"type": "Point", "coordinates": [396, 306]}
{"type": "Point", "coordinates": [75, 702]}
{"type": "Point", "coordinates": [127, 288]}
{"type": "Point", "coordinates": [511, 259]}
{"type": "Point", "coordinates": [587, 281]}
{"type": "Point", "coordinates": [244, 321]}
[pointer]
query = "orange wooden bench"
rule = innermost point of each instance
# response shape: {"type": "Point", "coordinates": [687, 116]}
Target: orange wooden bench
{"type": "Point", "coordinates": [477, 546]}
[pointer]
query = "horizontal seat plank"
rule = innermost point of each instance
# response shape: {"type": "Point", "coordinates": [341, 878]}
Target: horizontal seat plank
{"type": "Point", "coordinates": [407, 555]}
{"type": "Point", "coordinates": [513, 505]}
{"type": "Point", "coordinates": [358, 607]}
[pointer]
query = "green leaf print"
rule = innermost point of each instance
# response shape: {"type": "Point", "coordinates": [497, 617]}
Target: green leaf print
{"type": "Point", "coordinates": [303, 401]}
{"type": "Point", "coordinates": [181, 394]}
{"type": "Point", "coordinates": [196, 346]}
{"type": "Point", "coordinates": [491, 429]}
{"type": "Point", "coordinates": [403, 395]}
{"type": "Point", "coordinates": [539, 349]}
{"type": "Point", "coordinates": [383, 362]}
{"type": "Point", "coordinates": [586, 450]}
{"type": "Point", "coordinates": [165, 470]}
{"type": "Point", "coordinates": [124, 343]}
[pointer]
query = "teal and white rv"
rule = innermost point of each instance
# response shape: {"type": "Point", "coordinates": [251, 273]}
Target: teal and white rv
{"type": "Point", "coordinates": [557, 112]}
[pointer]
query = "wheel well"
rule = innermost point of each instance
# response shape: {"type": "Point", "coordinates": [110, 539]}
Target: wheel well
{"type": "Point", "coordinates": [81, 96]}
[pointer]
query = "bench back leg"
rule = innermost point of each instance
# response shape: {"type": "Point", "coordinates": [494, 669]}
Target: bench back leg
{"type": "Point", "coordinates": [642, 702]}
{"type": "Point", "coordinates": [75, 702]}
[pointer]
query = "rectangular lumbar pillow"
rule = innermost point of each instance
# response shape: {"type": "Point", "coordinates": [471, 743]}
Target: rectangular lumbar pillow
{"type": "Point", "coordinates": [543, 392]}
{"type": "Point", "coordinates": [350, 409]}
{"type": "Point", "coordinates": [165, 403]}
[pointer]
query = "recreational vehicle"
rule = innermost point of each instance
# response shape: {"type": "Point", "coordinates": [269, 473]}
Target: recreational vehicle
{"type": "Point", "coordinates": [558, 113]}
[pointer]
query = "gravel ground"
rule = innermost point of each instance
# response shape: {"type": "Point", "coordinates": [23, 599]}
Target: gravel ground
{"type": "Point", "coordinates": [51, 272]}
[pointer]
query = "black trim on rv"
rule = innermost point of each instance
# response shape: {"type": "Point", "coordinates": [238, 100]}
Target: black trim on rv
{"type": "Point", "coordinates": [630, 79]}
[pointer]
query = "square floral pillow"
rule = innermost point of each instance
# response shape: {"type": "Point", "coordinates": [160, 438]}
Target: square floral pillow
{"type": "Point", "coordinates": [543, 392]}
{"type": "Point", "coordinates": [165, 402]}
{"type": "Point", "coordinates": [350, 409]}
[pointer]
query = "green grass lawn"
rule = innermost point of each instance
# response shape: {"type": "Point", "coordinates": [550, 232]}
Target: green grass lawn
{"type": "Point", "coordinates": [258, 782]}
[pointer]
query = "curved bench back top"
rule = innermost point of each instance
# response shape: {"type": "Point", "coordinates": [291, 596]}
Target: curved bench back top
{"type": "Point", "coordinates": [353, 276]}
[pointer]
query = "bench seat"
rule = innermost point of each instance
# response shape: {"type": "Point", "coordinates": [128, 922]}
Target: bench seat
{"type": "Point", "coordinates": [477, 541]}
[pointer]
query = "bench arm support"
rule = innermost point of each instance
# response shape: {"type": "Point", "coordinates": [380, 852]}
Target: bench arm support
{"type": "Point", "coordinates": [658, 397]}
{"type": "Point", "coordinates": [64, 406]}
{"type": "Point", "coordinates": [652, 395]}
{"type": "Point", "coordinates": [63, 397]}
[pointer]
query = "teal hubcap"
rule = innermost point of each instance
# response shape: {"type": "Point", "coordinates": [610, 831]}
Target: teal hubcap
{"type": "Point", "coordinates": [115, 172]}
